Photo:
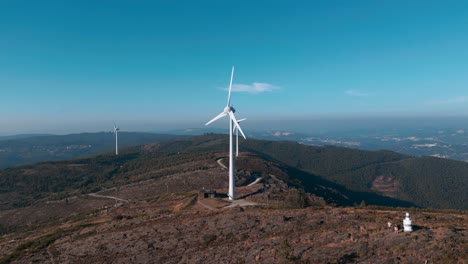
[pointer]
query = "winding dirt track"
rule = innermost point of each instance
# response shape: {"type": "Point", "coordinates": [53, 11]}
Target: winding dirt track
{"type": "Point", "coordinates": [220, 164]}
{"type": "Point", "coordinates": [108, 197]}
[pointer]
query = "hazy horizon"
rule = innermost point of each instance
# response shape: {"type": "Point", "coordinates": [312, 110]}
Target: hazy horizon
{"type": "Point", "coordinates": [69, 67]}
{"type": "Point", "coordinates": [310, 125]}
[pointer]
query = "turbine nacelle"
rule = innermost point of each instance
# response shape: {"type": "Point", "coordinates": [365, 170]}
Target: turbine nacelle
{"type": "Point", "coordinates": [116, 128]}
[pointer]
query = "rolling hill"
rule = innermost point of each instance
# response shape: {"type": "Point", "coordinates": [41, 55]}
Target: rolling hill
{"type": "Point", "coordinates": [29, 149]}
{"type": "Point", "coordinates": [341, 176]}
{"type": "Point", "coordinates": [423, 181]}
{"type": "Point", "coordinates": [144, 206]}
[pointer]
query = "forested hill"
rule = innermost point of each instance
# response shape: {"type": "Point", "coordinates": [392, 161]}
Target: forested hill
{"type": "Point", "coordinates": [424, 181]}
{"type": "Point", "coordinates": [28, 149]}
{"type": "Point", "coordinates": [372, 176]}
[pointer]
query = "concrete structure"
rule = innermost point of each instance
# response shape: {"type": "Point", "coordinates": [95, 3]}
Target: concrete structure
{"type": "Point", "coordinates": [205, 193]}
{"type": "Point", "coordinates": [407, 227]}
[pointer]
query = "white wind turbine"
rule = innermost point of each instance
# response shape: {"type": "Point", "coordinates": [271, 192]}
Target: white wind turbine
{"type": "Point", "coordinates": [233, 123]}
{"type": "Point", "coordinates": [237, 136]}
{"type": "Point", "coordinates": [116, 131]}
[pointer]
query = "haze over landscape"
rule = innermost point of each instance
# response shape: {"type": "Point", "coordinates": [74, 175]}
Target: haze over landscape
{"type": "Point", "coordinates": [355, 115]}
{"type": "Point", "coordinates": [158, 65]}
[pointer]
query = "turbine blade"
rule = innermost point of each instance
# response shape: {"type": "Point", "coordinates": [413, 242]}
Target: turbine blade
{"type": "Point", "coordinates": [230, 88]}
{"type": "Point", "coordinates": [238, 121]}
{"type": "Point", "coordinates": [233, 118]}
{"type": "Point", "coordinates": [216, 118]}
{"type": "Point", "coordinates": [114, 125]}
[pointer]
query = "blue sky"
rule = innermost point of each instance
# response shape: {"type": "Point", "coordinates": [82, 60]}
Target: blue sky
{"type": "Point", "coordinates": [73, 66]}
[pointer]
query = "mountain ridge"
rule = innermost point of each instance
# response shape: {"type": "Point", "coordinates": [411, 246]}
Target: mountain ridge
{"type": "Point", "coordinates": [352, 171]}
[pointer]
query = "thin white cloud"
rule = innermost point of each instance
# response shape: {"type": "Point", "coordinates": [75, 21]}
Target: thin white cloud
{"type": "Point", "coordinates": [455, 100]}
{"type": "Point", "coordinates": [357, 93]}
{"type": "Point", "coordinates": [254, 88]}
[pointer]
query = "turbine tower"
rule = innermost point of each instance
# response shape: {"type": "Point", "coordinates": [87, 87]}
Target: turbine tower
{"type": "Point", "coordinates": [233, 123]}
{"type": "Point", "coordinates": [116, 131]}
{"type": "Point", "coordinates": [237, 136]}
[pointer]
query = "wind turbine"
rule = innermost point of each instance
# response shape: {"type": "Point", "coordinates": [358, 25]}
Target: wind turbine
{"type": "Point", "coordinates": [237, 136]}
{"type": "Point", "coordinates": [233, 123]}
{"type": "Point", "coordinates": [116, 130]}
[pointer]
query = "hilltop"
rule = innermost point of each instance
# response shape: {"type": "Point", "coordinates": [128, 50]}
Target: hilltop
{"type": "Point", "coordinates": [144, 206]}
{"type": "Point", "coordinates": [176, 228]}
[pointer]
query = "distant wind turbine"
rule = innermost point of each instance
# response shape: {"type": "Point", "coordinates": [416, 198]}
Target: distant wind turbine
{"type": "Point", "coordinates": [116, 132]}
{"type": "Point", "coordinates": [233, 123]}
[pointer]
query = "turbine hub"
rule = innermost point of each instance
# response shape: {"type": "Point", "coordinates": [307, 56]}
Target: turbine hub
{"type": "Point", "coordinates": [227, 109]}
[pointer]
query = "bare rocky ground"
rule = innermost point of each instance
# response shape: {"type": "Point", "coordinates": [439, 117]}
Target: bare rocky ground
{"type": "Point", "coordinates": [165, 221]}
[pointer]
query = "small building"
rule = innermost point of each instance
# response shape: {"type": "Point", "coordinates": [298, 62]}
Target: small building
{"type": "Point", "coordinates": [206, 193]}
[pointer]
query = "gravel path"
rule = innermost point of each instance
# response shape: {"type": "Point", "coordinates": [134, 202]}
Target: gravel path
{"type": "Point", "coordinates": [108, 197]}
